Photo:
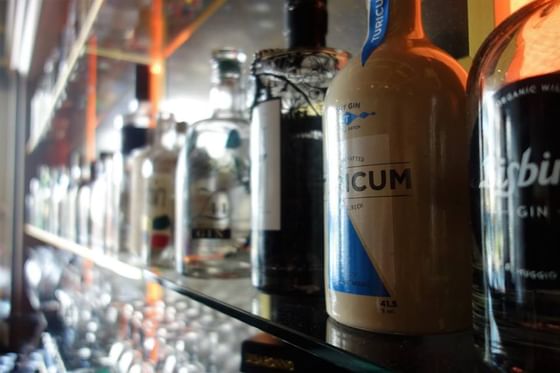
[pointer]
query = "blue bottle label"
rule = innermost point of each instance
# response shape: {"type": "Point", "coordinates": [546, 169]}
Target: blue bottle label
{"type": "Point", "coordinates": [352, 270]}
{"type": "Point", "coordinates": [378, 21]}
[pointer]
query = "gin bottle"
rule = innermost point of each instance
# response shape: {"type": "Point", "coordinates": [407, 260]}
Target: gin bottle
{"type": "Point", "coordinates": [514, 88]}
{"type": "Point", "coordinates": [396, 150]}
{"type": "Point", "coordinates": [213, 200]}
{"type": "Point", "coordinates": [287, 153]}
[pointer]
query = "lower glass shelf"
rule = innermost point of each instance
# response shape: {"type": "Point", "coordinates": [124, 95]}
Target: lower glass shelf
{"type": "Point", "coordinates": [300, 321]}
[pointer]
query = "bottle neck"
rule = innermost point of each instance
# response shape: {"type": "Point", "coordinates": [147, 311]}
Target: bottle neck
{"type": "Point", "coordinates": [306, 23]}
{"type": "Point", "coordinates": [405, 19]}
{"type": "Point", "coordinates": [227, 99]}
{"type": "Point", "coordinates": [162, 133]}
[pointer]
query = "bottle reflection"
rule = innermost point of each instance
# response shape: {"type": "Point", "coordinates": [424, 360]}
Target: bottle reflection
{"type": "Point", "coordinates": [434, 353]}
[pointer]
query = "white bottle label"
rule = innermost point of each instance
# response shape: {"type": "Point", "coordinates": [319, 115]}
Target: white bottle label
{"type": "Point", "coordinates": [265, 170]}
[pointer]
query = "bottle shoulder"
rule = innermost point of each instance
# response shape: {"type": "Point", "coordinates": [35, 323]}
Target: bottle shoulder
{"type": "Point", "coordinates": [523, 46]}
{"type": "Point", "coordinates": [299, 64]}
{"type": "Point", "coordinates": [408, 66]}
{"type": "Point", "coordinates": [218, 125]}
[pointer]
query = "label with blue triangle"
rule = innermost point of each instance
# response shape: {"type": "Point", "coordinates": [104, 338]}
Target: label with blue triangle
{"type": "Point", "coordinates": [351, 269]}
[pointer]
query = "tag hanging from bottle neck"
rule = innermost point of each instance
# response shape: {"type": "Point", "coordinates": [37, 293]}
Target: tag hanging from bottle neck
{"type": "Point", "coordinates": [378, 23]}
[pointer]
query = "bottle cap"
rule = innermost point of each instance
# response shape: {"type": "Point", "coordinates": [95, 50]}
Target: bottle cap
{"type": "Point", "coordinates": [227, 64]}
{"type": "Point", "coordinates": [306, 23]}
{"type": "Point", "coordinates": [133, 137]}
{"type": "Point", "coordinates": [181, 127]}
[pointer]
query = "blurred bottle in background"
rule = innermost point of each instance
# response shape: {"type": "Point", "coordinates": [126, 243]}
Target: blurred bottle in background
{"type": "Point", "coordinates": [158, 186]}
{"type": "Point", "coordinates": [213, 200]}
{"type": "Point", "coordinates": [89, 174]}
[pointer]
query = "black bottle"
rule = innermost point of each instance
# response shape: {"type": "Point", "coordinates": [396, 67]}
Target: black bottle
{"type": "Point", "coordinates": [287, 152]}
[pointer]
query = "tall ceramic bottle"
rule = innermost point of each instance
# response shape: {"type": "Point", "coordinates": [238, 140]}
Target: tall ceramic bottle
{"type": "Point", "coordinates": [515, 90]}
{"type": "Point", "coordinates": [287, 152]}
{"type": "Point", "coordinates": [396, 150]}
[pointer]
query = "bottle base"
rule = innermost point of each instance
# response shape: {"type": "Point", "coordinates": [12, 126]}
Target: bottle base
{"type": "Point", "coordinates": [287, 282]}
{"type": "Point", "coordinates": [514, 356]}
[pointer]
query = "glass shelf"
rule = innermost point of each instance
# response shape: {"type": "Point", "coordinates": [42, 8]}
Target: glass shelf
{"type": "Point", "coordinates": [298, 320]}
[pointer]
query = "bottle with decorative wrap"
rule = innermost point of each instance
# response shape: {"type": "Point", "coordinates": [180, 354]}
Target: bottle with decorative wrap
{"type": "Point", "coordinates": [213, 210]}
{"type": "Point", "coordinates": [514, 88]}
{"type": "Point", "coordinates": [287, 153]}
{"type": "Point", "coordinates": [396, 150]}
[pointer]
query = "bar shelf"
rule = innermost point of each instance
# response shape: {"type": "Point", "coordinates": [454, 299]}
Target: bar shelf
{"type": "Point", "coordinates": [299, 320]}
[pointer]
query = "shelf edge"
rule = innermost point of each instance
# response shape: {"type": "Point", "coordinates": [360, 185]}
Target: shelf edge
{"type": "Point", "coordinates": [100, 259]}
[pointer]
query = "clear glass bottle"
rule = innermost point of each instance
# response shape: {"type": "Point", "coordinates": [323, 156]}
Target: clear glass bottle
{"type": "Point", "coordinates": [59, 190]}
{"type": "Point", "coordinates": [134, 231]}
{"type": "Point", "coordinates": [514, 88]}
{"type": "Point", "coordinates": [134, 138]}
{"type": "Point", "coordinates": [158, 202]}
{"type": "Point", "coordinates": [69, 227]}
{"type": "Point", "coordinates": [89, 174]}
{"type": "Point", "coordinates": [100, 203]}
{"type": "Point", "coordinates": [287, 153]}
{"type": "Point", "coordinates": [33, 202]}
{"type": "Point", "coordinates": [213, 202]}
{"type": "Point", "coordinates": [396, 153]}
{"type": "Point", "coordinates": [44, 197]}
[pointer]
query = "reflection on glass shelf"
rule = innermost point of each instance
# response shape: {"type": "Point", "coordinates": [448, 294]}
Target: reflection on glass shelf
{"type": "Point", "coordinates": [437, 353]}
{"type": "Point", "coordinates": [51, 97]}
{"type": "Point", "coordinates": [299, 320]}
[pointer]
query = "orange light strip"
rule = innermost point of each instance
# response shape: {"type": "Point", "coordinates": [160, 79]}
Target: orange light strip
{"type": "Point", "coordinates": [156, 57]}
{"type": "Point", "coordinates": [91, 106]}
{"type": "Point", "coordinates": [504, 8]}
{"type": "Point", "coordinates": [190, 29]}
{"type": "Point", "coordinates": [501, 10]}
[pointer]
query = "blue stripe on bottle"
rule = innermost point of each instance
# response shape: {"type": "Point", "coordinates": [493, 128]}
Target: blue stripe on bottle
{"type": "Point", "coordinates": [351, 270]}
{"type": "Point", "coordinates": [378, 20]}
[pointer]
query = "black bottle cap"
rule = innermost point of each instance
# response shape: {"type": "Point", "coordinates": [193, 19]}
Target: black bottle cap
{"type": "Point", "coordinates": [306, 23]}
{"type": "Point", "coordinates": [93, 170]}
{"type": "Point", "coordinates": [142, 88]}
{"type": "Point", "coordinates": [133, 137]}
